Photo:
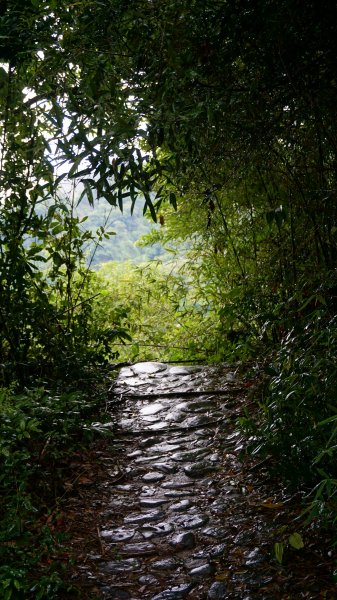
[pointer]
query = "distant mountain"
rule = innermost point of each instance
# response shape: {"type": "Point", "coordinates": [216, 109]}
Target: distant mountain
{"type": "Point", "coordinates": [127, 228]}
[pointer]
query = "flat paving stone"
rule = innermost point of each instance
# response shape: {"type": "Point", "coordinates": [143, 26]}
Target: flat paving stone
{"type": "Point", "coordinates": [165, 467]}
{"type": "Point", "coordinates": [147, 517]}
{"type": "Point", "coordinates": [197, 421]}
{"type": "Point", "coordinates": [158, 529]}
{"type": "Point", "coordinates": [125, 372]}
{"type": "Point", "coordinates": [153, 419]}
{"type": "Point", "coordinates": [192, 521]}
{"type": "Point", "coordinates": [138, 549]}
{"type": "Point", "coordinates": [157, 426]}
{"type": "Point", "coordinates": [165, 447]}
{"type": "Point", "coordinates": [178, 592]}
{"type": "Point", "coordinates": [151, 409]}
{"type": "Point", "coordinates": [148, 580]}
{"type": "Point", "coordinates": [199, 469]}
{"type": "Point", "coordinates": [153, 476]}
{"type": "Point", "coordinates": [179, 371]}
{"type": "Point", "coordinates": [175, 416]}
{"type": "Point", "coordinates": [148, 368]}
{"type": "Point", "coordinates": [150, 441]}
{"type": "Point", "coordinates": [167, 564]}
{"type": "Point", "coordinates": [175, 485]}
{"type": "Point", "coordinates": [120, 566]}
{"type": "Point", "coordinates": [119, 534]}
{"type": "Point", "coordinates": [202, 571]}
{"type": "Point", "coordinates": [215, 532]}
{"type": "Point", "coordinates": [188, 455]}
{"type": "Point", "coordinates": [217, 550]}
{"type": "Point", "coordinates": [147, 459]}
{"type": "Point", "coordinates": [152, 502]}
{"type": "Point", "coordinates": [179, 493]}
{"type": "Point", "coordinates": [181, 506]}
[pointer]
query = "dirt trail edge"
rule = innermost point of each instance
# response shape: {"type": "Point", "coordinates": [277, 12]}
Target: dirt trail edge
{"type": "Point", "coordinates": [173, 509]}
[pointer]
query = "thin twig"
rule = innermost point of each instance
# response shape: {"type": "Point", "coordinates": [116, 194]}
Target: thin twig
{"type": "Point", "coordinates": [100, 542]}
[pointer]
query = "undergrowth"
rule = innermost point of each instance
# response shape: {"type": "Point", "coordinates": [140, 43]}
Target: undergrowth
{"type": "Point", "coordinates": [296, 424]}
{"type": "Point", "coordinates": [40, 430]}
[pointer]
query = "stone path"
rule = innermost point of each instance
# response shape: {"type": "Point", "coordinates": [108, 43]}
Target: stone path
{"type": "Point", "coordinates": [166, 523]}
{"type": "Point", "coordinates": [176, 509]}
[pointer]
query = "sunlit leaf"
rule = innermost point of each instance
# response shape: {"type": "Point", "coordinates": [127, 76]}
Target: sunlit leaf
{"type": "Point", "coordinates": [279, 550]}
{"type": "Point", "coordinates": [296, 541]}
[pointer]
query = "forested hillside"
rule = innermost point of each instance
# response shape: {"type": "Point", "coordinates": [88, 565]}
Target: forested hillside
{"type": "Point", "coordinates": [218, 120]}
{"type": "Point", "coordinates": [126, 230]}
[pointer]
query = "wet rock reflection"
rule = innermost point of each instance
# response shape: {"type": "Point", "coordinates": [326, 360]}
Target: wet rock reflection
{"type": "Point", "coordinates": [168, 527]}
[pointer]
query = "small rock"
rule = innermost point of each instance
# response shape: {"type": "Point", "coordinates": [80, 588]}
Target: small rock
{"type": "Point", "coordinates": [198, 420]}
{"type": "Point", "coordinates": [167, 564]}
{"type": "Point", "coordinates": [151, 409]}
{"type": "Point", "coordinates": [199, 469]}
{"type": "Point", "coordinates": [152, 502]}
{"type": "Point", "coordinates": [120, 566]}
{"type": "Point", "coordinates": [120, 534]}
{"type": "Point", "coordinates": [147, 443]}
{"type": "Point", "coordinates": [147, 580]}
{"type": "Point", "coordinates": [138, 549]}
{"type": "Point", "coordinates": [174, 593]}
{"type": "Point", "coordinates": [217, 550]}
{"type": "Point", "coordinates": [193, 522]}
{"type": "Point", "coordinates": [189, 455]}
{"type": "Point", "coordinates": [179, 371]}
{"type": "Point", "coordinates": [180, 506]}
{"type": "Point", "coordinates": [176, 485]}
{"type": "Point", "coordinates": [217, 591]}
{"type": "Point", "coordinates": [179, 493]}
{"type": "Point", "coordinates": [125, 372]}
{"type": "Point", "coordinates": [175, 416]}
{"type": "Point", "coordinates": [183, 541]}
{"type": "Point", "coordinates": [159, 529]}
{"type": "Point", "coordinates": [215, 532]}
{"type": "Point", "coordinates": [153, 476]}
{"type": "Point", "coordinates": [202, 571]}
{"type": "Point", "coordinates": [148, 368]}
{"type": "Point", "coordinates": [165, 467]}
{"type": "Point", "coordinates": [165, 447]}
{"type": "Point", "coordinates": [138, 519]}
{"type": "Point", "coordinates": [254, 558]}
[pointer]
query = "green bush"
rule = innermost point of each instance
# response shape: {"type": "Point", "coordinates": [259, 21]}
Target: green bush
{"type": "Point", "coordinates": [38, 430]}
{"type": "Point", "coordinates": [299, 418]}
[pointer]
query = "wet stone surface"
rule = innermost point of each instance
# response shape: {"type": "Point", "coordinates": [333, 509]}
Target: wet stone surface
{"type": "Point", "coordinates": [167, 541]}
{"type": "Point", "coordinates": [165, 527]}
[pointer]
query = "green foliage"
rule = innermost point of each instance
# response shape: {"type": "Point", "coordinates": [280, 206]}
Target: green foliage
{"type": "Point", "coordinates": [38, 429]}
{"type": "Point", "coordinates": [297, 423]}
{"type": "Point", "coordinates": [158, 307]}
{"type": "Point", "coordinates": [294, 541]}
{"type": "Point", "coordinates": [227, 112]}
{"type": "Point", "coordinates": [46, 316]}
